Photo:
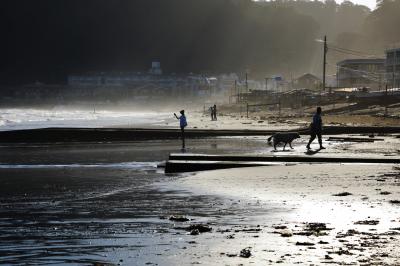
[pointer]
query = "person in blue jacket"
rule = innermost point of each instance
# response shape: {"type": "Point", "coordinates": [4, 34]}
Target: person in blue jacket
{"type": "Point", "coordinates": [316, 129]}
{"type": "Point", "coordinates": [183, 124]}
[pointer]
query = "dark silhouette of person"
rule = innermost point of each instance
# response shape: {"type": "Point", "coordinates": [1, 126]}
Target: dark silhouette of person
{"type": "Point", "coordinates": [182, 124]}
{"type": "Point", "coordinates": [214, 112]}
{"type": "Point", "coordinates": [316, 129]}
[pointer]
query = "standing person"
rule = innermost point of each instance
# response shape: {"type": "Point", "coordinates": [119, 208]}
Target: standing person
{"type": "Point", "coordinates": [211, 113]}
{"type": "Point", "coordinates": [183, 124]}
{"type": "Point", "coordinates": [316, 129]}
{"type": "Point", "coordinates": [215, 112]}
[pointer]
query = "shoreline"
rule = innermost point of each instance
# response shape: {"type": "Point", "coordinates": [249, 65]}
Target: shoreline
{"type": "Point", "coordinates": [65, 134]}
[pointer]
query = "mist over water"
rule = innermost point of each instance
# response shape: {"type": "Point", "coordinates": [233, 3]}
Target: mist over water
{"type": "Point", "coordinates": [20, 118]}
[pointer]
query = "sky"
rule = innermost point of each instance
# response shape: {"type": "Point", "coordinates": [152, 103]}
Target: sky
{"type": "Point", "coordinates": [369, 3]}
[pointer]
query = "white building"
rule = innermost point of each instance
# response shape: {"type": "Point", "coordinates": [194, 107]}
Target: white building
{"type": "Point", "coordinates": [392, 65]}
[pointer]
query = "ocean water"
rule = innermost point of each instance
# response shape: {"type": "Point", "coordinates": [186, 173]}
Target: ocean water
{"type": "Point", "coordinates": [21, 118]}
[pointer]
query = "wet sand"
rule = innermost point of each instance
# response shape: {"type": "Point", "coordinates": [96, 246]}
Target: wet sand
{"type": "Point", "coordinates": [94, 204]}
{"type": "Point", "coordinates": [89, 203]}
{"type": "Point", "coordinates": [336, 198]}
{"type": "Point", "coordinates": [307, 214]}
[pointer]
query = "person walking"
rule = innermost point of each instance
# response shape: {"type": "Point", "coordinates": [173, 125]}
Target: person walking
{"type": "Point", "coordinates": [183, 124]}
{"type": "Point", "coordinates": [316, 129]}
{"type": "Point", "coordinates": [211, 113]}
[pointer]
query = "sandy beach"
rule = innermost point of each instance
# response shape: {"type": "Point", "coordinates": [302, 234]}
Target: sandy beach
{"type": "Point", "coordinates": [106, 202]}
{"type": "Point", "coordinates": [305, 214]}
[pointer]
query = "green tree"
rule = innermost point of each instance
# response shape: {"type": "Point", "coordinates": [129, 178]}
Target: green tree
{"type": "Point", "coordinates": [381, 26]}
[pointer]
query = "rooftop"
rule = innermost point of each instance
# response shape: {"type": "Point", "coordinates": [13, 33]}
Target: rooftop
{"type": "Point", "coordinates": [361, 61]}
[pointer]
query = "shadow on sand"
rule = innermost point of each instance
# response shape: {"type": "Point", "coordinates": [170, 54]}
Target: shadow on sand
{"type": "Point", "coordinates": [286, 150]}
{"type": "Point", "coordinates": [312, 152]}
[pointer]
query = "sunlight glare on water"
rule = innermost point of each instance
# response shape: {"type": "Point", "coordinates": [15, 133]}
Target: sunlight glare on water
{"type": "Point", "coordinates": [39, 118]}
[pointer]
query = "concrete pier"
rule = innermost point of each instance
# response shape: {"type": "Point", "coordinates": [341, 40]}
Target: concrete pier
{"type": "Point", "coordinates": [178, 163]}
{"type": "Point", "coordinates": [176, 166]}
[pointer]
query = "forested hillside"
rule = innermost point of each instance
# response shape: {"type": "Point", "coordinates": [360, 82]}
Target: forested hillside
{"type": "Point", "coordinates": [46, 40]}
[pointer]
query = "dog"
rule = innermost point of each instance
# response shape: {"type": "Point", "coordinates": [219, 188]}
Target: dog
{"type": "Point", "coordinates": [283, 137]}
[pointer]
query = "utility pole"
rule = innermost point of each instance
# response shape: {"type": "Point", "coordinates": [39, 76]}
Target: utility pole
{"type": "Point", "coordinates": [247, 86]}
{"type": "Point", "coordinates": [236, 92]}
{"type": "Point", "coordinates": [380, 81]}
{"type": "Point", "coordinates": [240, 92]}
{"type": "Point", "coordinates": [266, 83]}
{"type": "Point", "coordinates": [386, 99]}
{"type": "Point", "coordinates": [279, 106]}
{"type": "Point", "coordinates": [230, 95]}
{"type": "Point", "coordinates": [394, 68]}
{"type": "Point", "coordinates": [324, 66]}
{"type": "Point", "coordinates": [337, 76]}
{"type": "Point", "coordinates": [393, 79]}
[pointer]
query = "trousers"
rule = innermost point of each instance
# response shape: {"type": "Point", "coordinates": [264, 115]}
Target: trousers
{"type": "Point", "coordinates": [183, 137]}
{"type": "Point", "coordinates": [313, 135]}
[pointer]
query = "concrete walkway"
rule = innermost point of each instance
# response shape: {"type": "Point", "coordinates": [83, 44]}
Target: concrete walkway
{"type": "Point", "coordinates": [179, 163]}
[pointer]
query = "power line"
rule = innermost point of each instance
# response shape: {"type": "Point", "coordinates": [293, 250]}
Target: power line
{"type": "Point", "coordinates": [349, 51]}
{"type": "Point", "coordinates": [361, 71]}
{"type": "Point", "coordinates": [367, 75]}
{"type": "Point", "coordinates": [372, 75]}
{"type": "Point", "coordinates": [354, 51]}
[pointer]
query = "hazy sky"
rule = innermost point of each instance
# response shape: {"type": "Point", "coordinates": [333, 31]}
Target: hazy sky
{"type": "Point", "coordinates": [369, 3]}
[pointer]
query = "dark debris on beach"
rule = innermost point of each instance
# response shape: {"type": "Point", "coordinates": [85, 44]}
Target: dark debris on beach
{"type": "Point", "coordinates": [342, 194]}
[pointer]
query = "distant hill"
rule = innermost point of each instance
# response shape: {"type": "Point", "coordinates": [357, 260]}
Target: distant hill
{"type": "Point", "coordinates": [46, 40]}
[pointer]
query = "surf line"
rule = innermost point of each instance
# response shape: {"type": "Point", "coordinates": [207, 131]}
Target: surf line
{"type": "Point", "coordinates": [123, 165]}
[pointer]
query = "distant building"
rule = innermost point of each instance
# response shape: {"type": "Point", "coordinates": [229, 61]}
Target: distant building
{"type": "Point", "coordinates": [307, 81]}
{"type": "Point", "coordinates": [276, 83]}
{"type": "Point", "coordinates": [392, 65]}
{"type": "Point", "coordinates": [361, 73]}
{"type": "Point", "coordinates": [84, 80]}
{"type": "Point", "coordinates": [155, 68]}
{"type": "Point", "coordinates": [149, 85]}
{"type": "Point", "coordinates": [226, 82]}
{"type": "Point", "coordinates": [330, 81]}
